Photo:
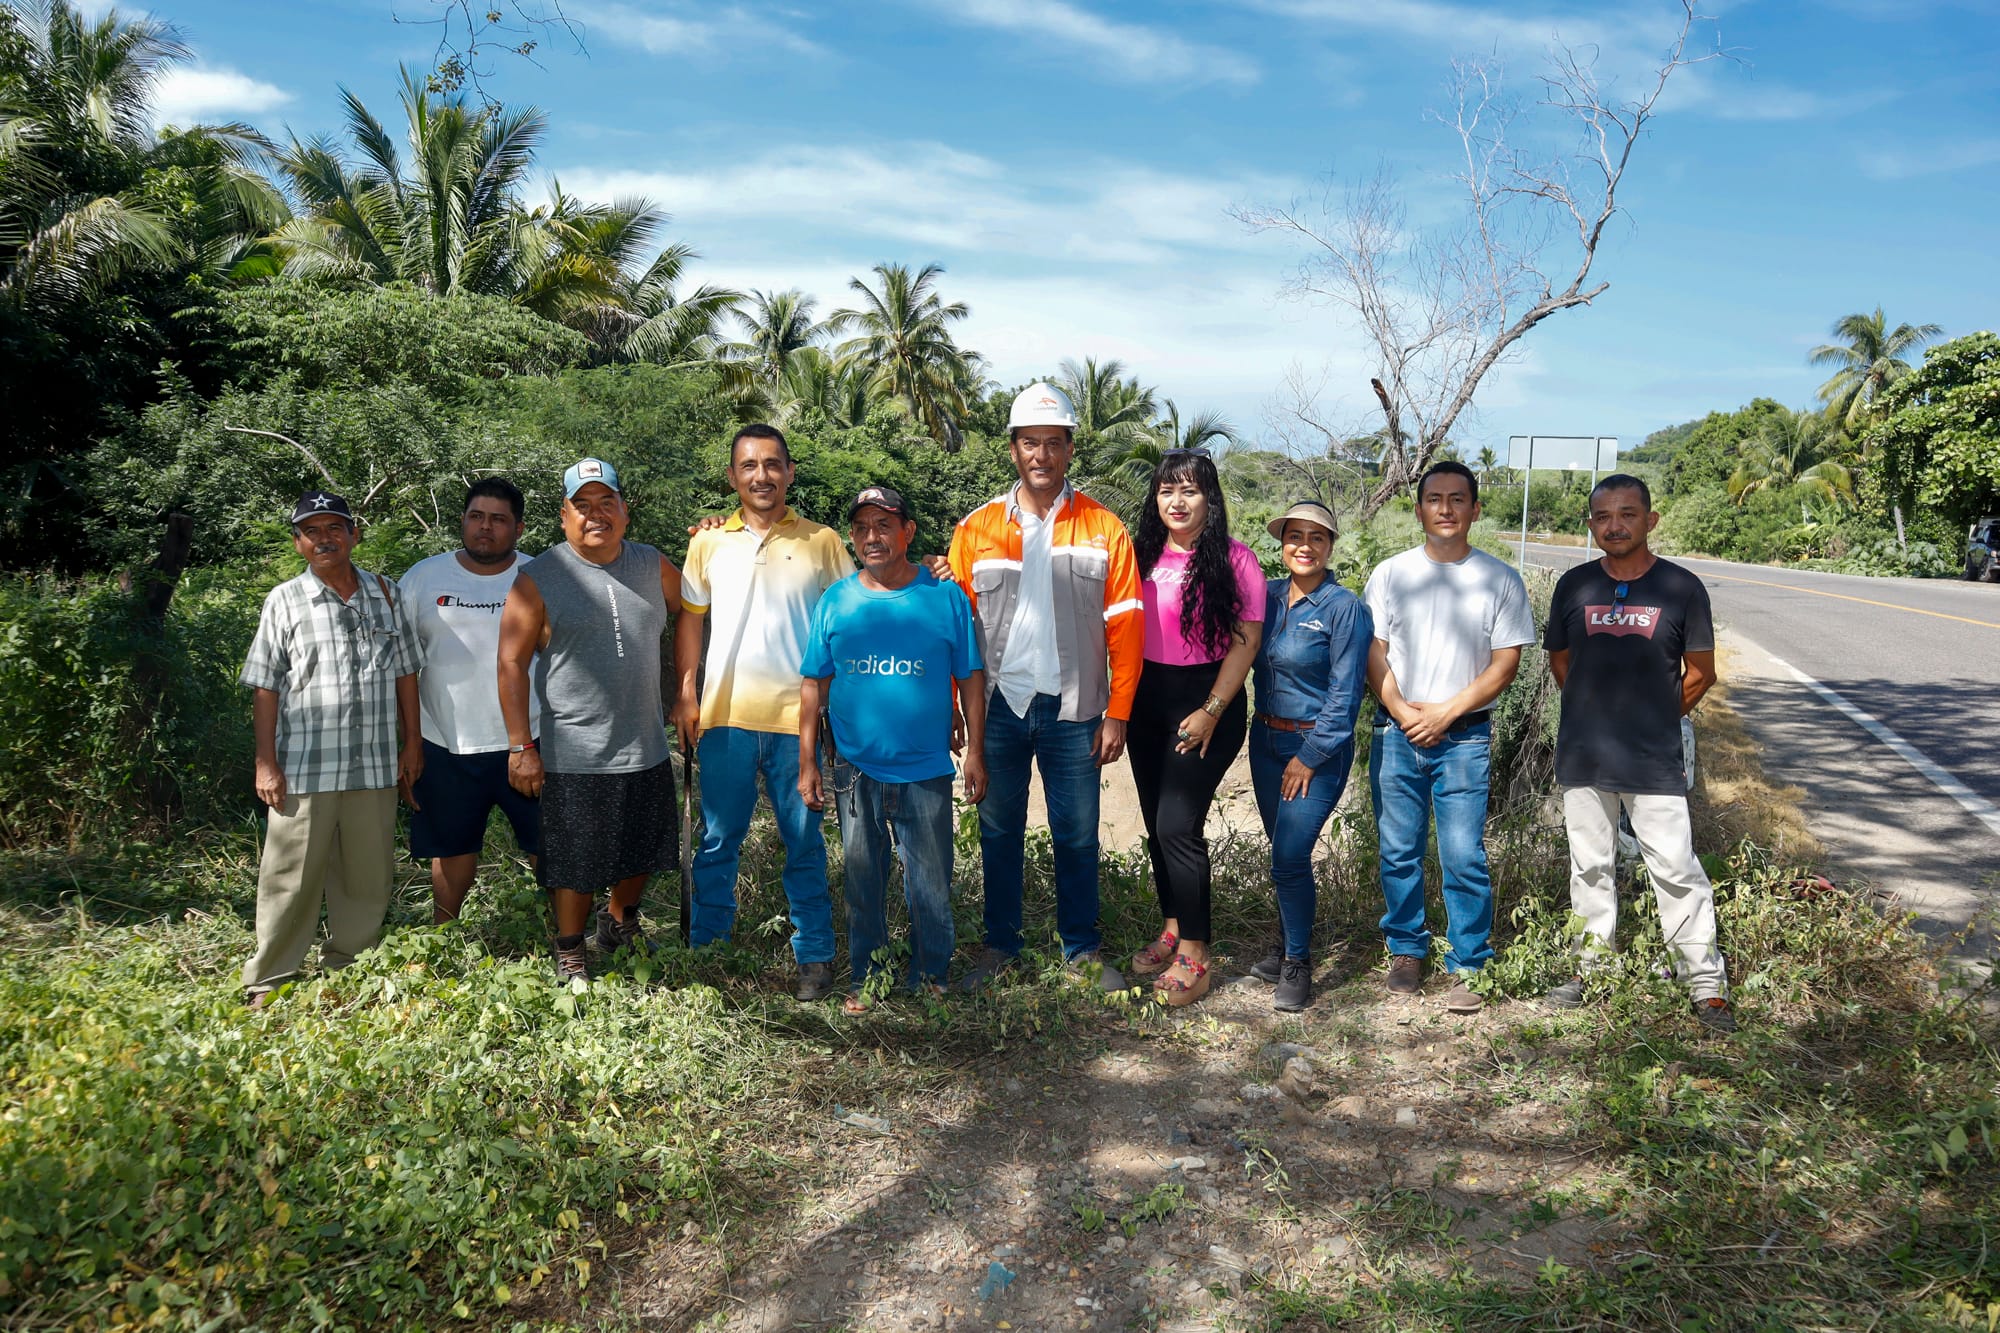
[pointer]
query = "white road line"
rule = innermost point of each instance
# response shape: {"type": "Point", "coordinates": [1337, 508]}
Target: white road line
{"type": "Point", "coordinates": [1971, 801]}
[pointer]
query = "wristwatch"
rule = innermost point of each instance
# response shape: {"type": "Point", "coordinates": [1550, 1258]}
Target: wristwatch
{"type": "Point", "coordinates": [1214, 706]}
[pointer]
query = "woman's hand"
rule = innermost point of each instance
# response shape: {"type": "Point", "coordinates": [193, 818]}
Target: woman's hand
{"type": "Point", "coordinates": [1195, 731]}
{"type": "Point", "coordinates": [1292, 783]}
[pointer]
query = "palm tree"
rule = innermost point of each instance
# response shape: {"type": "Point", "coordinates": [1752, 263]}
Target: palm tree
{"type": "Point", "coordinates": [816, 382]}
{"type": "Point", "coordinates": [902, 337]}
{"type": "Point", "coordinates": [1134, 451]}
{"type": "Point", "coordinates": [1796, 453]}
{"type": "Point", "coordinates": [1103, 396]}
{"type": "Point", "coordinates": [445, 223]}
{"type": "Point", "coordinates": [670, 328]}
{"type": "Point", "coordinates": [1869, 361]}
{"type": "Point", "coordinates": [776, 326]}
{"type": "Point", "coordinates": [1489, 462]}
{"type": "Point", "coordinates": [87, 194]}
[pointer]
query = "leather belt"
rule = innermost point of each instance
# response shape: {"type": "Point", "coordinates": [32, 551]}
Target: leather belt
{"type": "Point", "coordinates": [1383, 720]}
{"type": "Point", "coordinates": [1284, 723]}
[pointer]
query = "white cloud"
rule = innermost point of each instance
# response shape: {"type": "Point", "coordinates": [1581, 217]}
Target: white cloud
{"type": "Point", "coordinates": [1128, 52]}
{"type": "Point", "coordinates": [678, 28]}
{"type": "Point", "coordinates": [1929, 159]}
{"type": "Point", "coordinates": [190, 93]}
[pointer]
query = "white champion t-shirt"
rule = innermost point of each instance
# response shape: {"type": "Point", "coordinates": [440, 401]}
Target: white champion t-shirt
{"type": "Point", "coordinates": [458, 620]}
{"type": "Point", "coordinates": [1443, 621]}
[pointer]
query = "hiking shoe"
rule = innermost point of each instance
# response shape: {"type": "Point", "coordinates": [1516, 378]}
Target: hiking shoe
{"type": "Point", "coordinates": [1294, 986]}
{"type": "Point", "coordinates": [1568, 995]}
{"type": "Point", "coordinates": [815, 982]}
{"type": "Point", "coordinates": [613, 934]}
{"type": "Point", "coordinates": [1270, 969]}
{"type": "Point", "coordinates": [1406, 974]}
{"type": "Point", "coordinates": [991, 963]}
{"type": "Point", "coordinates": [572, 964]}
{"type": "Point", "coordinates": [1715, 1015]}
{"type": "Point", "coordinates": [1108, 976]}
{"type": "Point", "coordinates": [1462, 999]}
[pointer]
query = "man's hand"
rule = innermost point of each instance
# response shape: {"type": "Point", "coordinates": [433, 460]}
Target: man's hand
{"type": "Point", "coordinates": [1292, 783]}
{"type": "Point", "coordinates": [1429, 725]}
{"type": "Point", "coordinates": [704, 524]}
{"type": "Point", "coordinates": [1110, 742]}
{"type": "Point", "coordinates": [524, 772]}
{"type": "Point", "coordinates": [687, 720]}
{"type": "Point", "coordinates": [939, 566]}
{"type": "Point", "coordinates": [410, 767]}
{"type": "Point", "coordinates": [809, 786]}
{"type": "Point", "coordinates": [975, 778]}
{"type": "Point", "coordinates": [957, 733]}
{"type": "Point", "coordinates": [270, 783]}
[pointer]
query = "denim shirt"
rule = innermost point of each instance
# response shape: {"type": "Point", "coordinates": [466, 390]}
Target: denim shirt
{"type": "Point", "coordinates": [1313, 663]}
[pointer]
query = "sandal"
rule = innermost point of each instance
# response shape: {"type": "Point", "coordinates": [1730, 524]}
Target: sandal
{"type": "Point", "coordinates": [1156, 957]}
{"type": "Point", "coordinates": [1172, 990]}
{"type": "Point", "coordinates": [854, 1005]}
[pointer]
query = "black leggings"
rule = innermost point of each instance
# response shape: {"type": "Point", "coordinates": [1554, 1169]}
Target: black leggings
{"type": "Point", "coordinates": [1175, 789]}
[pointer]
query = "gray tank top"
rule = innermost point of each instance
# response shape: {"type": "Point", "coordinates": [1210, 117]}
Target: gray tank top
{"type": "Point", "coordinates": [599, 677]}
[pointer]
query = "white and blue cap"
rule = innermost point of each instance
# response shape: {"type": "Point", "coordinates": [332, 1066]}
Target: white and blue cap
{"type": "Point", "coordinates": [579, 475]}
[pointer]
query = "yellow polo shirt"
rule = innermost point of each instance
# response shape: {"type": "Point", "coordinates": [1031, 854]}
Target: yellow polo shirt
{"type": "Point", "coordinates": [758, 593]}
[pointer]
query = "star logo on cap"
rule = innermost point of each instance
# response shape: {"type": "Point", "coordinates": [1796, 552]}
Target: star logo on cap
{"type": "Point", "coordinates": [321, 500]}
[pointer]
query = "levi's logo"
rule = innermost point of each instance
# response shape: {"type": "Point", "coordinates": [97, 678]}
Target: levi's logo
{"type": "Point", "coordinates": [1627, 619]}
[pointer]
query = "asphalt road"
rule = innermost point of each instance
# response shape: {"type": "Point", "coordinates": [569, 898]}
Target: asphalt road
{"type": "Point", "coordinates": [1911, 803]}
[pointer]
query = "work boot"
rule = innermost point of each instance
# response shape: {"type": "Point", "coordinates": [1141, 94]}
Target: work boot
{"type": "Point", "coordinates": [1270, 969]}
{"type": "Point", "coordinates": [991, 963]}
{"type": "Point", "coordinates": [1462, 999]}
{"type": "Point", "coordinates": [1568, 995]}
{"type": "Point", "coordinates": [1108, 976]}
{"type": "Point", "coordinates": [1295, 985]}
{"type": "Point", "coordinates": [1714, 1015]}
{"type": "Point", "coordinates": [815, 982]}
{"type": "Point", "coordinates": [613, 934]}
{"type": "Point", "coordinates": [1406, 974]}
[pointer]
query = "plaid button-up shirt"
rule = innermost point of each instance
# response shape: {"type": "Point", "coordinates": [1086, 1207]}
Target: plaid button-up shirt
{"type": "Point", "coordinates": [334, 666]}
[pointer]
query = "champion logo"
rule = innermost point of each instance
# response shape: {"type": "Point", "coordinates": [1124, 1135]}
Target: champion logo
{"type": "Point", "coordinates": [1615, 620]}
{"type": "Point", "coordinates": [446, 599]}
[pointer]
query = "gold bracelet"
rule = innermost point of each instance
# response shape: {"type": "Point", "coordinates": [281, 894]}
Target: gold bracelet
{"type": "Point", "coordinates": [1214, 707]}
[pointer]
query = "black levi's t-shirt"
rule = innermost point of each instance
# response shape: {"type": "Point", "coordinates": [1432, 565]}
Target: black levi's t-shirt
{"type": "Point", "coordinates": [1621, 710]}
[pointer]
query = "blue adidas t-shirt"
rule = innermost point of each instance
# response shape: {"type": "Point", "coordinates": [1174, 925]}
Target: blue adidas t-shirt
{"type": "Point", "coordinates": [893, 657]}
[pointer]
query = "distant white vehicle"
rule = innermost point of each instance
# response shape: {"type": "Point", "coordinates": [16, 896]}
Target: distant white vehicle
{"type": "Point", "coordinates": [1982, 550]}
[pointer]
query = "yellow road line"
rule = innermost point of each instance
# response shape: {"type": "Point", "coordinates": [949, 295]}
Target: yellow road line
{"type": "Point", "coordinates": [1865, 601]}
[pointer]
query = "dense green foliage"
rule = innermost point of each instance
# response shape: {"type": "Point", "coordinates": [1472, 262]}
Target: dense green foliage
{"type": "Point", "coordinates": [1938, 444]}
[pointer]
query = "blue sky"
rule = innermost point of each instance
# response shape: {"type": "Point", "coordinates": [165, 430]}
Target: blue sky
{"type": "Point", "coordinates": [1073, 165]}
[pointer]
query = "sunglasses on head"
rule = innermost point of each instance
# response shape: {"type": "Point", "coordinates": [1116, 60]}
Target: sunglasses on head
{"type": "Point", "coordinates": [1184, 453]}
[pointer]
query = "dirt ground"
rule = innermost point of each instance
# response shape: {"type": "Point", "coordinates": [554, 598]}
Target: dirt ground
{"type": "Point", "coordinates": [1164, 1180]}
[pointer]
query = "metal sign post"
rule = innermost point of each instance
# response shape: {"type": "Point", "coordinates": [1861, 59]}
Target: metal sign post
{"type": "Point", "coordinates": [1563, 453]}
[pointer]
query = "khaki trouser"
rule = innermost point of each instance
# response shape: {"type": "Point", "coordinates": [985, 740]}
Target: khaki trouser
{"type": "Point", "coordinates": [1680, 885]}
{"type": "Point", "coordinates": [336, 848]}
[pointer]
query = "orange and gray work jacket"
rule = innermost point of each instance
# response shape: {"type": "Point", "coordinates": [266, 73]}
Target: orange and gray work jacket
{"type": "Point", "coordinates": [1100, 635]}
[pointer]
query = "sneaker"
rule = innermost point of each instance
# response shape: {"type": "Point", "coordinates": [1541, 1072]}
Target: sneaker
{"type": "Point", "coordinates": [1270, 969]}
{"type": "Point", "coordinates": [572, 964]}
{"type": "Point", "coordinates": [1108, 976]}
{"type": "Point", "coordinates": [815, 982]}
{"type": "Point", "coordinates": [613, 934]}
{"type": "Point", "coordinates": [1568, 995]}
{"type": "Point", "coordinates": [991, 964]}
{"type": "Point", "coordinates": [1462, 999]}
{"type": "Point", "coordinates": [1295, 985]}
{"type": "Point", "coordinates": [1715, 1015]}
{"type": "Point", "coordinates": [1406, 974]}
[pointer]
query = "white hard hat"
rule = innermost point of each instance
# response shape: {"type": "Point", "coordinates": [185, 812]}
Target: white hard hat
{"type": "Point", "coordinates": [1042, 404]}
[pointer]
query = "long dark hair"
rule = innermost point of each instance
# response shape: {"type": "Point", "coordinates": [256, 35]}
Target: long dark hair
{"type": "Point", "coordinates": [1211, 603]}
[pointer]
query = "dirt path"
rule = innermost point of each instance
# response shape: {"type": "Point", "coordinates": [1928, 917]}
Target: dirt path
{"type": "Point", "coordinates": [1162, 1181]}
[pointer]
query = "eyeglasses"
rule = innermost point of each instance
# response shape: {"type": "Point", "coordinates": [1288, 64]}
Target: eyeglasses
{"type": "Point", "coordinates": [1618, 599]}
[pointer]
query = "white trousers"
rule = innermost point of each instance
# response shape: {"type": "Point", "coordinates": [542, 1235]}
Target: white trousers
{"type": "Point", "coordinates": [1680, 886]}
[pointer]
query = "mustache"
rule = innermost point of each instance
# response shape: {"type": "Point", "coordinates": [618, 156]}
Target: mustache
{"type": "Point", "coordinates": [326, 548]}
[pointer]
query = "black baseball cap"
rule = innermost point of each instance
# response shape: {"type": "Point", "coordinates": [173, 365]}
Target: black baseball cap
{"type": "Point", "coordinates": [880, 497]}
{"type": "Point", "coordinates": [314, 503]}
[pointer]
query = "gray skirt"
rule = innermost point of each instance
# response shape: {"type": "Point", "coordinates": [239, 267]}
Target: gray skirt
{"type": "Point", "coordinates": [600, 828]}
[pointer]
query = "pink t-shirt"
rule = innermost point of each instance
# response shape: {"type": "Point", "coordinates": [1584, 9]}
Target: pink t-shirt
{"type": "Point", "coordinates": [1161, 591]}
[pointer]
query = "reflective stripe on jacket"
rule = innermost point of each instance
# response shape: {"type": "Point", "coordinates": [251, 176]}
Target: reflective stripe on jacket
{"type": "Point", "coordinates": [1100, 634]}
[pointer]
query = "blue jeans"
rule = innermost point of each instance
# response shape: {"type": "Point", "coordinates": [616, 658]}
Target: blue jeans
{"type": "Point", "coordinates": [1070, 786]}
{"type": "Point", "coordinates": [919, 816]}
{"type": "Point", "coordinates": [731, 759]}
{"type": "Point", "coordinates": [1294, 826]}
{"type": "Point", "coordinates": [1407, 783]}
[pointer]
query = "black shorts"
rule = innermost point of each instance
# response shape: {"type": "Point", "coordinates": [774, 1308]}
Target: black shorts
{"type": "Point", "coordinates": [606, 827]}
{"type": "Point", "coordinates": [455, 797]}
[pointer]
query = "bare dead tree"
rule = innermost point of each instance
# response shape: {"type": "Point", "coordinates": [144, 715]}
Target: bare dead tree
{"type": "Point", "coordinates": [1441, 307]}
{"type": "Point", "coordinates": [1319, 458]}
{"type": "Point", "coordinates": [473, 33]}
